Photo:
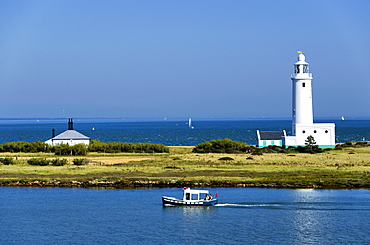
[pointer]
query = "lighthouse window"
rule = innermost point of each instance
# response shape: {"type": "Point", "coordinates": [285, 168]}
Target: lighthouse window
{"type": "Point", "coordinates": [303, 84]}
{"type": "Point", "coordinates": [297, 69]}
{"type": "Point", "coordinates": [305, 68]}
{"type": "Point", "coordinates": [303, 131]}
{"type": "Point", "coordinates": [326, 131]}
{"type": "Point", "coordinates": [315, 131]}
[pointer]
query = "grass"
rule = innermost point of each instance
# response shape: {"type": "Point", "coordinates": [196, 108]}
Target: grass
{"type": "Point", "coordinates": [346, 168]}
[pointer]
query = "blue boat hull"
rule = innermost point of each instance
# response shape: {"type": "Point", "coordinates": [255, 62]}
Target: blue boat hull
{"type": "Point", "coordinates": [170, 201]}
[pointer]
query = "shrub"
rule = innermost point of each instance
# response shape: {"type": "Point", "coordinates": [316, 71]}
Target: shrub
{"type": "Point", "coordinates": [62, 150]}
{"type": "Point", "coordinates": [59, 162]}
{"type": "Point", "coordinates": [226, 159]}
{"type": "Point", "coordinates": [79, 150]}
{"type": "Point", "coordinates": [67, 150]}
{"type": "Point", "coordinates": [7, 161]}
{"type": "Point", "coordinates": [38, 161]}
{"type": "Point", "coordinates": [117, 147]}
{"type": "Point", "coordinates": [221, 146]}
{"type": "Point", "coordinates": [80, 161]}
{"type": "Point", "coordinates": [309, 149]}
{"type": "Point", "coordinates": [23, 146]}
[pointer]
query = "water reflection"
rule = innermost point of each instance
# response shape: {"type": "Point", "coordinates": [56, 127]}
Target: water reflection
{"type": "Point", "coordinates": [308, 222]}
{"type": "Point", "coordinates": [189, 211]}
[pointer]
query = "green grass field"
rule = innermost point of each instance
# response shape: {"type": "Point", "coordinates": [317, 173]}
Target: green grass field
{"type": "Point", "coordinates": [346, 168]}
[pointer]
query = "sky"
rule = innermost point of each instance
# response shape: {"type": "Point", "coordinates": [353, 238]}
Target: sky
{"type": "Point", "coordinates": [171, 59]}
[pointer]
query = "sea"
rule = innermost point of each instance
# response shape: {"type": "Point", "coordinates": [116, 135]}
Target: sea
{"type": "Point", "coordinates": [30, 215]}
{"type": "Point", "coordinates": [169, 132]}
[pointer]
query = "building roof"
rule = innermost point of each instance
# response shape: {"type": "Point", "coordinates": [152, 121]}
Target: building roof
{"type": "Point", "coordinates": [71, 135]}
{"type": "Point", "coordinates": [271, 135]}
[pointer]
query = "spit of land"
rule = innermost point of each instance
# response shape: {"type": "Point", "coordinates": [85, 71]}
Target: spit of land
{"type": "Point", "coordinates": [343, 168]}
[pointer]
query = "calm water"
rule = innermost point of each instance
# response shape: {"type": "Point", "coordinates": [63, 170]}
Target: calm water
{"type": "Point", "coordinates": [167, 132]}
{"type": "Point", "coordinates": [245, 216]}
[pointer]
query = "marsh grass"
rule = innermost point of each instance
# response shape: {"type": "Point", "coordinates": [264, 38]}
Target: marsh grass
{"type": "Point", "coordinates": [336, 167]}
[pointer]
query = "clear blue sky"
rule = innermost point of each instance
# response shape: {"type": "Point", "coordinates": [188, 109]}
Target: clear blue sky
{"type": "Point", "coordinates": [200, 59]}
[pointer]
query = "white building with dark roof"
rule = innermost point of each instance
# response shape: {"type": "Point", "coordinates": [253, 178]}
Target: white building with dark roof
{"type": "Point", "coordinates": [266, 138]}
{"type": "Point", "coordinates": [70, 137]}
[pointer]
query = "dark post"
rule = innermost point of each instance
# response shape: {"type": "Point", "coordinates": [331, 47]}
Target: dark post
{"type": "Point", "coordinates": [70, 124]}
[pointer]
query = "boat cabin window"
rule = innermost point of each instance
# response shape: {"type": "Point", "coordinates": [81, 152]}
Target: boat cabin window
{"type": "Point", "coordinates": [203, 196]}
{"type": "Point", "coordinates": [194, 197]}
{"type": "Point", "coordinates": [187, 197]}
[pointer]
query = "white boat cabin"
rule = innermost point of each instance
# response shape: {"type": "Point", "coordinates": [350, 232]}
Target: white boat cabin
{"type": "Point", "coordinates": [195, 194]}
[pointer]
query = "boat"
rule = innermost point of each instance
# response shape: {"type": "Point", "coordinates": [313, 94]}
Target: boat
{"type": "Point", "coordinates": [190, 126]}
{"type": "Point", "coordinates": [191, 198]}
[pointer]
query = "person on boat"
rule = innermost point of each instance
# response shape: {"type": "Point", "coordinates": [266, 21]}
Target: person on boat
{"type": "Point", "coordinates": [210, 197]}
{"type": "Point", "coordinates": [206, 197]}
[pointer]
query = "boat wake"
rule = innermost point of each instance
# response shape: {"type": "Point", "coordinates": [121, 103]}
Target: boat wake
{"type": "Point", "coordinates": [297, 206]}
{"type": "Point", "coordinates": [249, 205]}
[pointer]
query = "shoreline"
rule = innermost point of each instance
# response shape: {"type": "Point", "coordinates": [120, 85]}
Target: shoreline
{"type": "Point", "coordinates": [160, 184]}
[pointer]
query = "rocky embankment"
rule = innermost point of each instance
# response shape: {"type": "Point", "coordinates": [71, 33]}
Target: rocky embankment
{"type": "Point", "coordinates": [175, 184]}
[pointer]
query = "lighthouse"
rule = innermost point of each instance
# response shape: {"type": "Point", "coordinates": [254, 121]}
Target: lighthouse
{"type": "Point", "coordinates": [302, 111]}
{"type": "Point", "coordinates": [302, 93]}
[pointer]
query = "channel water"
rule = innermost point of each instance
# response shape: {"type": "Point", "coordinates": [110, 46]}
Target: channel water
{"type": "Point", "coordinates": [136, 216]}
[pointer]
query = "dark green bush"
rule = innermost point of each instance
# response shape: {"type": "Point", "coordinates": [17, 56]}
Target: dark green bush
{"type": "Point", "coordinates": [221, 146]}
{"type": "Point", "coordinates": [7, 161]}
{"type": "Point", "coordinates": [226, 159]}
{"type": "Point", "coordinates": [82, 149]}
{"type": "Point", "coordinates": [79, 150]}
{"type": "Point", "coordinates": [23, 146]}
{"type": "Point", "coordinates": [118, 147]}
{"type": "Point", "coordinates": [59, 162]}
{"type": "Point", "coordinates": [67, 150]}
{"type": "Point", "coordinates": [62, 150]}
{"type": "Point", "coordinates": [38, 161]}
{"type": "Point", "coordinates": [309, 149]}
{"type": "Point", "coordinates": [80, 161]}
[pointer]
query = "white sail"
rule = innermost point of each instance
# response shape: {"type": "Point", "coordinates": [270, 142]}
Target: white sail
{"type": "Point", "coordinates": [190, 126]}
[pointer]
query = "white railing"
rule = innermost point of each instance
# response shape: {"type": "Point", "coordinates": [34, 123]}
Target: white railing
{"type": "Point", "coordinates": [299, 75]}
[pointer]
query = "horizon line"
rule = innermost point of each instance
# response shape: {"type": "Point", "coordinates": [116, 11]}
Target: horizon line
{"type": "Point", "coordinates": [172, 118]}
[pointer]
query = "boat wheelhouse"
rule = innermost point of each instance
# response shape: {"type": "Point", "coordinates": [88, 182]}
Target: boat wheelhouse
{"type": "Point", "coordinates": [191, 198]}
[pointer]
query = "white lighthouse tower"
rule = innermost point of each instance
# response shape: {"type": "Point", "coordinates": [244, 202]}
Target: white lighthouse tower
{"type": "Point", "coordinates": [302, 94]}
{"type": "Point", "coordinates": [302, 111]}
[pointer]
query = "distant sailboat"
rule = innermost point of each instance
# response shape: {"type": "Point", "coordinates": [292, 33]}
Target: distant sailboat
{"type": "Point", "coordinates": [190, 126]}
{"type": "Point", "coordinates": [342, 118]}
